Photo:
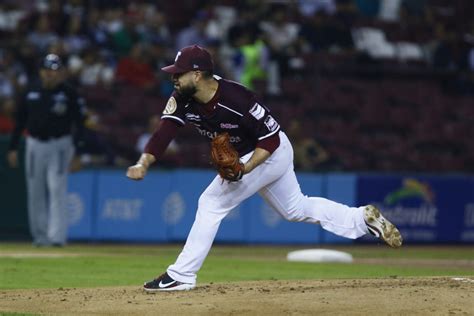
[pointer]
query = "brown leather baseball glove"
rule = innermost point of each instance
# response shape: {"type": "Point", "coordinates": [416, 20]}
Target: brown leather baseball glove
{"type": "Point", "coordinates": [226, 159]}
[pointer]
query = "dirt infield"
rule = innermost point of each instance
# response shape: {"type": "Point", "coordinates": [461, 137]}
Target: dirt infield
{"type": "Point", "coordinates": [393, 296]}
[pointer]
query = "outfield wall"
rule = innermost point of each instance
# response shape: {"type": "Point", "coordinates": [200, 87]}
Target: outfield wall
{"type": "Point", "coordinates": [105, 205]}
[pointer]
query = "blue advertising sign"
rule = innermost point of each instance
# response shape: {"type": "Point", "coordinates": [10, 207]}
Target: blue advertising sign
{"type": "Point", "coordinates": [233, 227]}
{"type": "Point", "coordinates": [131, 210]}
{"type": "Point", "coordinates": [424, 208]}
{"type": "Point", "coordinates": [340, 188]}
{"type": "Point", "coordinates": [180, 205]}
{"type": "Point", "coordinates": [105, 205]}
{"type": "Point", "coordinates": [467, 230]}
{"type": "Point", "coordinates": [188, 186]}
{"type": "Point", "coordinates": [81, 205]}
{"type": "Point", "coordinates": [267, 225]}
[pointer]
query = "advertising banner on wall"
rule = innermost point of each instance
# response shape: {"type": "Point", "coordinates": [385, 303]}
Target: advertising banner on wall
{"type": "Point", "coordinates": [426, 209]}
{"type": "Point", "coordinates": [268, 226]}
{"type": "Point", "coordinates": [179, 208]}
{"type": "Point", "coordinates": [105, 205]}
{"type": "Point", "coordinates": [130, 210]}
{"type": "Point", "coordinates": [340, 188]}
{"type": "Point", "coordinates": [80, 204]}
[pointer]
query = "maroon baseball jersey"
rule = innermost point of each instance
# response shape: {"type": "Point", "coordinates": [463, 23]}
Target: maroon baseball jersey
{"type": "Point", "coordinates": [235, 110]}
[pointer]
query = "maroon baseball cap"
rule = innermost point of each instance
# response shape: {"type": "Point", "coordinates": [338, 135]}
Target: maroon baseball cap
{"type": "Point", "coordinates": [190, 58]}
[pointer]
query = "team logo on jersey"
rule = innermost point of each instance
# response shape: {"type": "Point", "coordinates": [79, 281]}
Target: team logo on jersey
{"type": "Point", "coordinates": [229, 125]}
{"type": "Point", "coordinates": [170, 106]}
{"type": "Point", "coordinates": [257, 111]}
{"type": "Point", "coordinates": [271, 124]}
{"type": "Point", "coordinates": [212, 135]}
{"type": "Point", "coordinates": [60, 103]}
{"type": "Point", "coordinates": [59, 108]}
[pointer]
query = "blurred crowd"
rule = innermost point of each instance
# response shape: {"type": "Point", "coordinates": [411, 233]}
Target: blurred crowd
{"type": "Point", "coordinates": [114, 51]}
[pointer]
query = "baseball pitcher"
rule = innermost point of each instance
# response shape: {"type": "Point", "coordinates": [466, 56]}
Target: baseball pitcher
{"type": "Point", "coordinates": [251, 154]}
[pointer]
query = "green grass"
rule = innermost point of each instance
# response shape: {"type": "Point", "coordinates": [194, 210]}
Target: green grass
{"type": "Point", "coordinates": [116, 265]}
{"type": "Point", "coordinates": [16, 314]}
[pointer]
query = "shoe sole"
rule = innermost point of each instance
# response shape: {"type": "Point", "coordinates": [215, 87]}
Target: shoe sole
{"type": "Point", "coordinates": [386, 230]}
{"type": "Point", "coordinates": [182, 287]}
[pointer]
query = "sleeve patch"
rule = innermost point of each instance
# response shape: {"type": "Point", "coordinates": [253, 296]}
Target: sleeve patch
{"type": "Point", "coordinates": [170, 106]}
{"type": "Point", "coordinates": [257, 111]}
{"type": "Point", "coordinates": [271, 124]}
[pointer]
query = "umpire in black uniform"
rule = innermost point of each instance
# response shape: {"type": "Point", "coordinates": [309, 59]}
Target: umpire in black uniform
{"type": "Point", "coordinates": [53, 115]}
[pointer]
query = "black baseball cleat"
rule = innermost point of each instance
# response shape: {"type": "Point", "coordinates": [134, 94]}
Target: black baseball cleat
{"type": "Point", "coordinates": [165, 283]}
{"type": "Point", "coordinates": [381, 228]}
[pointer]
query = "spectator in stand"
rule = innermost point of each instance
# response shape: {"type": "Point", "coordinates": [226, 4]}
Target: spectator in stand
{"type": "Point", "coordinates": [251, 59]}
{"type": "Point", "coordinates": [42, 36]}
{"type": "Point", "coordinates": [7, 107]}
{"type": "Point", "coordinates": [75, 40]}
{"type": "Point", "coordinates": [221, 18]}
{"type": "Point", "coordinates": [341, 24]}
{"type": "Point", "coordinates": [7, 88]}
{"type": "Point", "coordinates": [443, 48]}
{"type": "Point", "coordinates": [153, 25]}
{"type": "Point", "coordinates": [309, 8]}
{"type": "Point", "coordinates": [220, 67]}
{"type": "Point", "coordinates": [74, 7]}
{"type": "Point", "coordinates": [10, 16]}
{"type": "Point", "coordinates": [57, 16]}
{"type": "Point", "coordinates": [195, 33]}
{"type": "Point", "coordinates": [316, 33]}
{"type": "Point", "coordinates": [323, 32]}
{"type": "Point", "coordinates": [27, 57]}
{"type": "Point", "coordinates": [368, 8]}
{"type": "Point", "coordinates": [250, 17]}
{"type": "Point", "coordinates": [127, 36]}
{"type": "Point", "coordinates": [13, 77]}
{"type": "Point", "coordinates": [112, 18]}
{"type": "Point", "coordinates": [160, 55]}
{"type": "Point", "coordinates": [97, 29]}
{"type": "Point", "coordinates": [281, 36]}
{"type": "Point", "coordinates": [414, 7]}
{"type": "Point", "coordinates": [136, 69]}
{"type": "Point", "coordinates": [91, 69]}
{"type": "Point", "coordinates": [389, 10]}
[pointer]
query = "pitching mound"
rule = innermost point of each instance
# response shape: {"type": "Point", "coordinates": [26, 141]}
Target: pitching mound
{"type": "Point", "coordinates": [404, 296]}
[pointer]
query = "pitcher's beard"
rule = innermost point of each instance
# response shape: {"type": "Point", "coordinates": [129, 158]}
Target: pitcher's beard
{"type": "Point", "coordinates": [186, 92]}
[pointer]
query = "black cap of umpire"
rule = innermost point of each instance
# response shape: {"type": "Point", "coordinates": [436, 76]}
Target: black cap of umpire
{"type": "Point", "coordinates": [52, 62]}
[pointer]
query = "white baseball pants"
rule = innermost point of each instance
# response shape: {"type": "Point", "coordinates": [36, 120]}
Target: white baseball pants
{"type": "Point", "coordinates": [276, 182]}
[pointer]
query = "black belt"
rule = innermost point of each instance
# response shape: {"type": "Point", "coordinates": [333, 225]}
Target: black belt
{"type": "Point", "coordinates": [49, 137]}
